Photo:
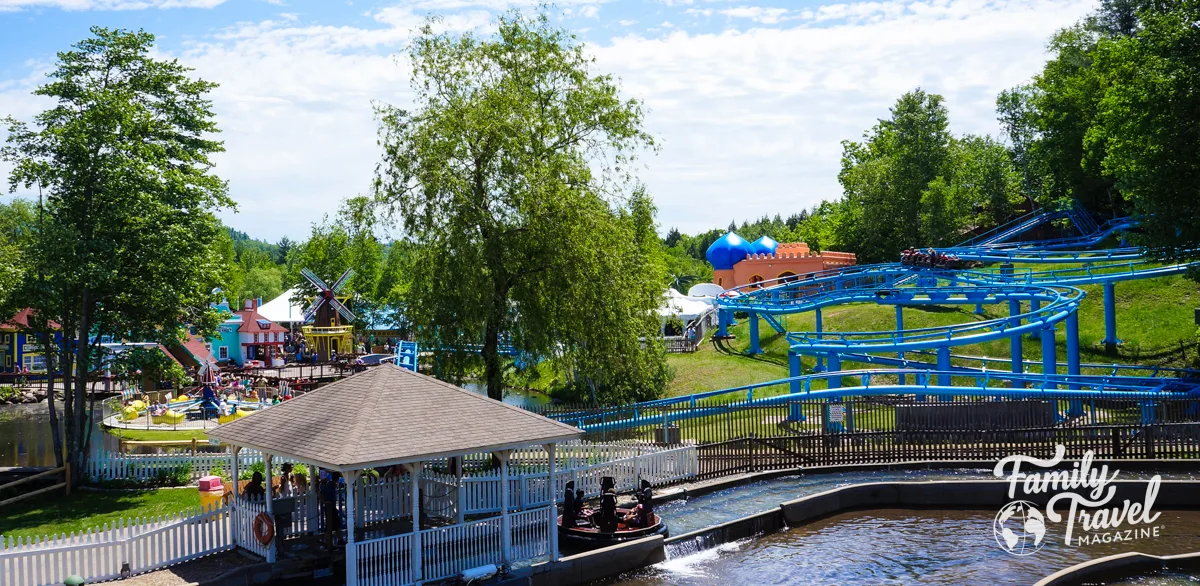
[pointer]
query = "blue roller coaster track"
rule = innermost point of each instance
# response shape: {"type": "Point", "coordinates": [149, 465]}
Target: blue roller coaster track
{"type": "Point", "coordinates": [1040, 304]}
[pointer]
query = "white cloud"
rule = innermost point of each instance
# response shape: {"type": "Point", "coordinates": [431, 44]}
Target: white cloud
{"type": "Point", "coordinates": [756, 13]}
{"type": "Point", "coordinates": [749, 121]}
{"type": "Point", "coordinates": [8, 5]}
{"type": "Point", "coordinates": [626, 22]}
{"type": "Point", "coordinates": [589, 11]}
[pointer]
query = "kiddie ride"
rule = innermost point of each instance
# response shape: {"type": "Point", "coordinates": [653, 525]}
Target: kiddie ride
{"type": "Point", "coordinates": [209, 406]}
{"type": "Point", "coordinates": [583, 528]}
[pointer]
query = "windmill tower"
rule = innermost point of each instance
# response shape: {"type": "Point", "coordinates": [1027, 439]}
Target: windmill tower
{"type": "Point", "coordinates": [330, 330]}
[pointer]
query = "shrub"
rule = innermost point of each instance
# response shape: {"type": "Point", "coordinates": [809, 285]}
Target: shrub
{"type": "Point", "coordinates": [7, 392]}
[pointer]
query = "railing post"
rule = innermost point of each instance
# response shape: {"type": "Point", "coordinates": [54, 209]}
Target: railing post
{"type": "Point", "coordinates": [552, 487]}
{"type": "Point", "coordinates": [233, 502]}
{"type": "Point", "coordinates": [414, 473]}
{"type": "Point", "coordinates": [352, 478]}
{"type": "Point", "coordinates": [505, 520]}
{"type": "Point", "coordinates": [267, 461]}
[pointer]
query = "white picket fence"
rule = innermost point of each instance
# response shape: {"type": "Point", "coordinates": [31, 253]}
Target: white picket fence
{"type": "Point", "coordinates": [96, 555]}
{"type": "Point", "coordinates": [104, 465]}
{"type": "Point", "coordinates": [148, 544]}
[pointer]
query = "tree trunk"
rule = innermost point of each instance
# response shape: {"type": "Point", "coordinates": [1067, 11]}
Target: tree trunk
{"type": "Point", "coordinates": [493, 373]}
{"type": "Point", "coordinates": [83, 347]}
{"type": "Point", "coordinates": [56, 436]}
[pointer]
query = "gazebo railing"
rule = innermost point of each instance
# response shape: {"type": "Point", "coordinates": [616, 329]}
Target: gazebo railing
{"type": "Point", "coordinates": [385, 561]}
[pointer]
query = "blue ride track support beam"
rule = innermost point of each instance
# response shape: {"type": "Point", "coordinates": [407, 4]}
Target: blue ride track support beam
{"type": "Point", "coordinates": [795, 368]}
{"type": "Point", "coordinates": [943, 364]}
{"type": "Point", "coordinates": [900, 328]}
{"type": "Point", "coordinates": [1018, 358]}
{"type": "Point", "coordinates": [834, 363]}
{"type": "Point", "coordinates": [1110, 317]}
{"type": "Point", "coordinates": [1034, 305]}
{"type": "Point", "coordinates": [753, 319]}
{"type": "Point", "coordinates": [1049, 357]}
{"type": "Point", "coordinates": [723, 323]}
{"type": "Point", "coordinates": [1074, 406]}
{"type": "Point", "coordinates": [817, 317]}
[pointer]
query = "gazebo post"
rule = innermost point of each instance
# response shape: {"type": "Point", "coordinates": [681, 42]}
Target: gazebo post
{"type": "Point", "coordinates": [505, 521]}
{"type": "Point", "coordinates": [267, 461]}
{"type": "Point", "coordinates": [552, 487]}
{"type": "Point", "coordinates": [462, 489]}
{"type": "Point", "coordinates": [233, 502]}
{"type": "Point", "coordinates": [414, 477]}
{"type": "Point", "coordinates": [351, 523]}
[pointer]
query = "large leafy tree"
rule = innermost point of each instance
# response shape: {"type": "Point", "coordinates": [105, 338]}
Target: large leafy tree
{"type": "Point", "coordinates": [884, 176]}
{"type": "Point", "coordinates": [509, 178]}
{"type": "Point", "coordinates": [1149, 120]}
{"type": "Point", "coordinates": [124, 245]}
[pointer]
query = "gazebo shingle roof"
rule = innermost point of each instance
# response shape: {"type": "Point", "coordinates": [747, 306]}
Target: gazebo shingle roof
{"type": "Point", "coordinates": [389, 415]}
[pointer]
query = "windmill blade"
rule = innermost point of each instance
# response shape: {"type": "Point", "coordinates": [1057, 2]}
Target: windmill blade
{"type": "Point", "coordinates": [312, 311]}
{"type": "Point", "coordinates": [314, 279]}
{"type": "Point", "coordinates": [342, 310]}
{"type": "Point", "coordinates": [342, 281]}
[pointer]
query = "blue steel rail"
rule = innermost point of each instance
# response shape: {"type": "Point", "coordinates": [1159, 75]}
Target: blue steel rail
{"type": "Point", "coordinates": [869, 383]}
{"type": "Point", "coordinates": [1050, 296]}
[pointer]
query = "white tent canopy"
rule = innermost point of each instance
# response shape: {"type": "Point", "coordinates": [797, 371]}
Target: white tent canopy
{"type": "Point", "coordinates": [682, 306]}
{"type": "Point", "coordinates": [281, 309]}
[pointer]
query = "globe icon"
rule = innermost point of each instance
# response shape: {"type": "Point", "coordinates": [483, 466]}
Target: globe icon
{"type": "Point", "coordinates": [1020, 528]}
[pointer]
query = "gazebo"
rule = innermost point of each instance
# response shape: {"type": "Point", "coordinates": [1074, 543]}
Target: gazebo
{"type": "Point", "coordinates": [388, 417]}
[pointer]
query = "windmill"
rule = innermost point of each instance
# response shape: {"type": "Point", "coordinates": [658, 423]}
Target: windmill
{"type": "Point", "coordinates": [328, 333]}
{"type": "Point", "coordinates": [327, 295]}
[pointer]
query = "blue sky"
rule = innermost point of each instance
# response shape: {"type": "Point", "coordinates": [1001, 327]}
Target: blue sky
{"type": "Point", "coordinates": [749, 99]}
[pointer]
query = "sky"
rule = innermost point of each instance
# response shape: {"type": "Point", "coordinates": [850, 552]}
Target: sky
{"type": "Point", "coordinates": [749, 100]}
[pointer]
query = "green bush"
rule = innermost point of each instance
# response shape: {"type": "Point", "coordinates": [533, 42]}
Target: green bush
{"type": "Point", "coordinates": [8, 392]}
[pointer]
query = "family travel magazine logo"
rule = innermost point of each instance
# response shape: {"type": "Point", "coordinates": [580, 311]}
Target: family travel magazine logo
{"type": "Point", "coordinates": [1021, 528]}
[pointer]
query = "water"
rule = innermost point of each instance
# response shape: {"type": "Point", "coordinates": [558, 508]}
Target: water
{"type": "Point", "coordinates": [685, 516]}
{"type": "Point", "coordinates": [901, 547]}
{"type": "Point", "coordinates": [518, 397]}
{"type": "Point", "coordinates": [1162, 578]}
{"type": "Point", "coordinates": [25, 435]}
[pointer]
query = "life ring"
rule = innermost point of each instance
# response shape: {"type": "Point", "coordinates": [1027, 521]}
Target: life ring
{"type": "Point", "coordinates": [264, 528]}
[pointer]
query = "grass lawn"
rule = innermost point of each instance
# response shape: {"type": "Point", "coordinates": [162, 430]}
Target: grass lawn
{"type": "Point", "coordinates": [157, 435]}
{"type": "Point", "coordinates": [1154, 319]}
{"type": "Point", "coordinates": [52, 514]}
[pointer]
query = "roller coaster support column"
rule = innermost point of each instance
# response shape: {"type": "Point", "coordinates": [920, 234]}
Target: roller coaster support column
{"type": "Point", "coordinates": [1018, 360]}
{"type": "Point", "coordinates": [723, 323]}
{"type": "Point", "coordinates": [943, 364]}
{"type": "Point", "coordinates": [1075, 406]}
{"type": "Point", "coordinates": [752, 317]}
{"type": "Point", "coordinates": [899, 328]}
{"type": "Point", "coordinates": [817, 316]}
{"type": "Point", "coordinates": [1049, 358]}
{"type": "Point", "coordinates": [795, 368]}
{"type": "Point", "coordinates": [1110, 318]}
{"type": "Point", "coordinates": [835, 364]}
{"type": "Point", "coordinates": [1034, 306]}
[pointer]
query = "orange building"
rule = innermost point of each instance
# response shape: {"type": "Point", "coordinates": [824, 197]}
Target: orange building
{"type": "Point", "coordinates": [737, 262]}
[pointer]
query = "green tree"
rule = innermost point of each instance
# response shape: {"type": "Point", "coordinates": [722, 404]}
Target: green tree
{"type": "Point", "coordinates": [514, 231]}
{"type": "Point", "coordinates": [1147, 123]}
{"type": "Point", "coordinates": [884, 177]}
{"type": "Point", "coordinates": [125, 245]}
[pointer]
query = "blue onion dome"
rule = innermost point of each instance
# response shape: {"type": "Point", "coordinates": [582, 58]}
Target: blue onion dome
{"type": "Point", "coordinates": [765, 245]}
{"type": "Point", "coordinates": [727, 251]}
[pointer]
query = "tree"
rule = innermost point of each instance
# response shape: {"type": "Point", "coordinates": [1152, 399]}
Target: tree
{"type": "Point", "coordinates": [883, 177]}
{"type": "Point", "coordinates": [1148, 120]}
{"type": "Point", "coordinates": [127, 234]}
{"type": "Point", "coordinates": [516, 235]}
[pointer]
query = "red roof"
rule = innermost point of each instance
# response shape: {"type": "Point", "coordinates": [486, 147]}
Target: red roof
{"type": "Point", "coordinates": [199, 350]}
{"type": "Point", "coordinates": [21, 321]}
{"type": "Point", "coordinates": [252, 323]}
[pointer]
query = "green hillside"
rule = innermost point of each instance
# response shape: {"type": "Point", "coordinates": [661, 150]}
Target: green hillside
{"type": "Point", "coordinates": [1154, 319]}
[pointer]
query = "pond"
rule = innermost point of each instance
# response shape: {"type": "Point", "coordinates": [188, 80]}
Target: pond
{"type": "Point", "coordinates": [25, 435]}
{"type": "Point", "coordinates": [900, 547]}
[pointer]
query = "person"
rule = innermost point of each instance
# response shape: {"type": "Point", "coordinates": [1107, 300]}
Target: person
{"type": "Point", "coordinates": [285, 480]}
{"type": "Point", "coordinates": [328, 497]}
{"type": "Point", "coordinates": [275, 400]}
{"type": "Point", "coordinates": [633, 519]}
{"type": "Point", "coordinates": [254, 489]}
{"type": "Point", "coordinates": [333, 355]}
